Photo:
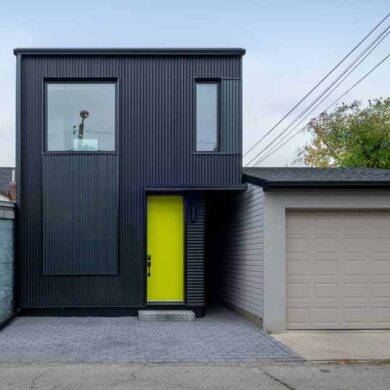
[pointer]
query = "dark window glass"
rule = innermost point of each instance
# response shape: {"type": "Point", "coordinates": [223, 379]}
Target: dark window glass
{"type": "Point", "coordinates": [80, 117]}
{"type": "Point", "coordinates": [207, 117]}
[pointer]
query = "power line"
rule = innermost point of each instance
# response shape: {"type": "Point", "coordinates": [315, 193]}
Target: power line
{"type": "Point", "coordinates": [317, 85]}
{"type": "Point", "coordinates": [367, 50]}
{"type": "Point", "coordinates": [327, 108]}
{"type": "Point", "coordinates": [258, 156]}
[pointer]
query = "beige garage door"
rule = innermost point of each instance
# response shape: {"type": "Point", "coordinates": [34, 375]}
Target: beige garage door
{"type": "Point", "coordinates": [338, 269]}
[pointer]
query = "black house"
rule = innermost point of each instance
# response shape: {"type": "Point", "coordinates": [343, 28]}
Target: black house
{"type": "Point", "coordinates": [118, 151]}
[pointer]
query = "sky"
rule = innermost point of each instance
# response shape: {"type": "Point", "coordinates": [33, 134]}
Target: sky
{"type": "Point", "coordinates": [291, 45]}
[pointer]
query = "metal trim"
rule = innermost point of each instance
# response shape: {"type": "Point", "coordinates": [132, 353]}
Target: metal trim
{"type": "Point", "coordinates": [274, 185]}
{"type": "Point", "coordinates": [132, 51]}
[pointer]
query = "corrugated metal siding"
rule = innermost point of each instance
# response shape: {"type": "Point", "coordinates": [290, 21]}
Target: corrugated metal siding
{"type": "Point", "coordinates": [237, 246]}
{"type": "Point", "coordinates": [80, 214]}
{"type": "Point", "coordinates": [156, 143]}
{"type": "Point", "coordinates": [231, 116]}
{"type": "Point", "coordinates": [195, 230]}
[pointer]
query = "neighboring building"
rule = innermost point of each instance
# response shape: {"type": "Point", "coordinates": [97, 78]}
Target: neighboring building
{"type": "Point", "coordinates": [7, 260]}
{"type": "Point", "coordinates": [118, 151]}
{"type": "Point", "coordinates": [307, 248]}
{"type": "Point", "coordinates": [7, 184]}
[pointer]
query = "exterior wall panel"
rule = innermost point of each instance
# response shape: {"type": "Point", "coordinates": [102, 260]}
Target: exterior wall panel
{"type": "Point", "coordinates": [156, 144]}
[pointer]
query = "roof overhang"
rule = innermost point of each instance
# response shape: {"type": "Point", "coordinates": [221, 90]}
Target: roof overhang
{"type": "Point", "coordinates": [200, 188]}
{"type": "Point", "coordinates": [315, 185]}
{"type": "Point", "coordinates": [132, 51]}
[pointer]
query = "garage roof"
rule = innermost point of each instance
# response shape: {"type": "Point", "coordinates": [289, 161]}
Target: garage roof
{"type": "Point", "coordinates": [290, 178]}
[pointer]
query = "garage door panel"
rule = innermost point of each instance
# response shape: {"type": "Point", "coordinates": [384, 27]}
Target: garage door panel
{"type": "Point", "coordinates": [381, 245]}
{"type": "Point", "coordinates": [338, 269]}
{"type": "Point", "coordinates": [329, 267]}
{"type": "Point", "coordinates": [324, 244]}
{"type": "Point", "coordinates": [298, 290]}
{"type": "Point", "coordinates": [378, 303]}
{"type": "Point", "coordinates": [353, 267]}
{"type": "Point", "coordinates": [354, 290]}
{"type": "Point", "coordinates": [326, 290]}
{"type": "Point", "coordinates": [298, 267]}
{"type": "Point", "coordinates": [305, 303]}
{"type": "Point", "coordinates": [355, 244]}
{"type": "Point", "coordinates": [379, 267]}
{"type": "Point", "coordinates": [326, 316]}
{"type": "Point", "coordinates": [299, 315]}
{"type": "Point", "coordinates": [380, 315]}
{"type": "Point", "coordinates": [354, 315]}
{"type": "Point", "coordinates": [380, 290]}
{"type": "Point", "coordinates": [296, 245]}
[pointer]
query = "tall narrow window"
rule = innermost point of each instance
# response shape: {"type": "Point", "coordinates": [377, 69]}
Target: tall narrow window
{"type": "Point", "coordinates": [206, 117]}
{"type": "Point", "coordinates": [80, 117]}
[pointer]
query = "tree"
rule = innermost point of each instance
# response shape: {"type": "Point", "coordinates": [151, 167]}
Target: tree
{"type": "Point", "coordinates": [350, 136]}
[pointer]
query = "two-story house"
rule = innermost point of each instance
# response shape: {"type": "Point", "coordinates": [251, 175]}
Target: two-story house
{"type": "Point", "coordinates": [118, 151]}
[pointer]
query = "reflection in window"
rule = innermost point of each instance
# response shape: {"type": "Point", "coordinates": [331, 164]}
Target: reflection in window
{"type": "Point", "coordinates": [81, 117]}
{"type": "Point", "coordinates": [206, 117]}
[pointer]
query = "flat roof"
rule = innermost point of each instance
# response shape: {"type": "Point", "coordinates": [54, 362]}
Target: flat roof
{"type": "Point", "coordinates": [303, 177]}
{"type": "Point", "coordinates": [132, 51]}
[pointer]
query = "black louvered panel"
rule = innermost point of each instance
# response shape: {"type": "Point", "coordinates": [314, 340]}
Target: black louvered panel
{"type": "Point", "coordinates": [195, 231]}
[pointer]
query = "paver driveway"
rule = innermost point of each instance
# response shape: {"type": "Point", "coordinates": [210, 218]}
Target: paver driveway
{"type": "Point", "coordinates": [221, 336]}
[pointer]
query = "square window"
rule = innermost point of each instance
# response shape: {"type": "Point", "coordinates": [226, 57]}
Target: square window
{"type": "Point", "coordinates": [80, 116]}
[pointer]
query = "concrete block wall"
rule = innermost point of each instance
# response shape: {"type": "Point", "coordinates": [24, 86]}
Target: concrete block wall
{"type": "Point", "coordinates": [7, 260]}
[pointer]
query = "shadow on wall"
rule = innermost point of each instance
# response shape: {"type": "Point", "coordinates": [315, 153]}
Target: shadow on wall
{"type": "Point", "coordinates": [216, 222]}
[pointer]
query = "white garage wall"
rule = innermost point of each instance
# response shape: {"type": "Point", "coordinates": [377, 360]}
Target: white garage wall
{"type": "Point", "coordinates": [240, 251]}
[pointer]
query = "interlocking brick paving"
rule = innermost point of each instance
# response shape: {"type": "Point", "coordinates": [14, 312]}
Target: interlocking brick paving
{"type": "Point", "coordinates": [221, 336]}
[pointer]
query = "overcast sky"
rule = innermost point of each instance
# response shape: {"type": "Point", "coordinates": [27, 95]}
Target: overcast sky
{"type": "Point", "coordinates": [290, 45]}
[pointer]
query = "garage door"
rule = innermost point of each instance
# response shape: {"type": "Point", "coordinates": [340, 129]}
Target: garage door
{"type": "Point", "coordinates": [338, 269]}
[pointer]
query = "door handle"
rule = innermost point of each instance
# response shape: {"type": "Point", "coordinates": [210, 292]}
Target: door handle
{"type": "Point", "coordinates": [149, 264]}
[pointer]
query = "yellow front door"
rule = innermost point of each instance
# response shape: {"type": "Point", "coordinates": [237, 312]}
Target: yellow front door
{"type": "Point", "coordinates": [165, 248]}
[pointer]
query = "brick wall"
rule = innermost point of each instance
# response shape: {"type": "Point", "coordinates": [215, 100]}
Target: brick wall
{"type": "Point", "coordinates": [7, 227]}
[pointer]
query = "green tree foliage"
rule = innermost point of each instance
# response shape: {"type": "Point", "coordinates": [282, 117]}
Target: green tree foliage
{"type": "Point", "coordinates": [350, 136]}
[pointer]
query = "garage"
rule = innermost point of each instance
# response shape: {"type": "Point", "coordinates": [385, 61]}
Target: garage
{"type": "Point", "coordinates": [306, 248]}
{"type": "Point", "coordinates": [338, 269]}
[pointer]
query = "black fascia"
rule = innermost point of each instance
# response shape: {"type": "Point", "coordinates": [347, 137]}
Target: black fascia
{"type": "Point", "coordinates": [286, 185]}
{"type": "Point", "coordinates": [198, 188]}
{"type": "Point", "coordinates": [132, 51]}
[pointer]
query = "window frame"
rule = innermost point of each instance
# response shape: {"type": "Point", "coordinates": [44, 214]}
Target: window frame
{"type": "Point", "coordinates": [201, 80]}
{"type": "Point", "coordinates": [74, 80]}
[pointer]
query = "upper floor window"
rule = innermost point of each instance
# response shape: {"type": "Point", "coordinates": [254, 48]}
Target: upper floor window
{"type": "Point", "coordinates": [80, 116]}
{"type": "Point", "coordinates": [207, 116]}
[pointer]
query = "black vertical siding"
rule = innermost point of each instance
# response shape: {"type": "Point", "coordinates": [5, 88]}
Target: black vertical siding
{"type": "Point", "coordinates": [231, 116]}
{"type": "Point", "coordinates": [195, 231]}
{"type": "Point", "coordinates": [80, 214]}
{"type": "Point", "coordinates": [156, 144]}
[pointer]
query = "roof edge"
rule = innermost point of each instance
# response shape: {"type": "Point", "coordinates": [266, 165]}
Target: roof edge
{"type": "Point", "coordinates": [286, 185]}
{"type": "Point", "coordinates": [132, 51]}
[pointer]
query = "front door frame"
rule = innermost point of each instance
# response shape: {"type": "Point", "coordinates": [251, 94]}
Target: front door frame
{"type": "Point", "coordinates": [164, 192]}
